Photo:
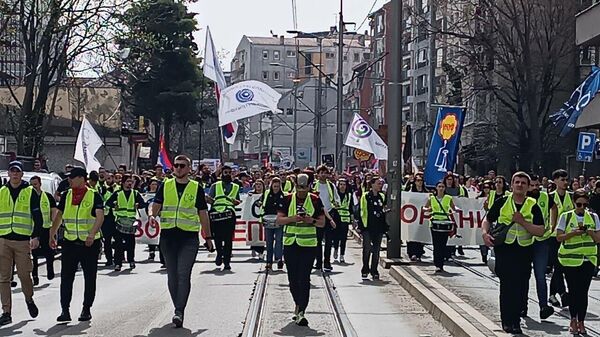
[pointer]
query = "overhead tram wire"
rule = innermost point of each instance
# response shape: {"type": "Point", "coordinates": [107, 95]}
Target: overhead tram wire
{"type": "Point", "coordinates": [360, 26]}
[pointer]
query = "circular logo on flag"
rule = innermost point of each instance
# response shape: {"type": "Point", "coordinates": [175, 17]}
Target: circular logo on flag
{"type": "Point", "coordinates": [361, 129]}
{"type": "Point", "coordinates": [244, 95]}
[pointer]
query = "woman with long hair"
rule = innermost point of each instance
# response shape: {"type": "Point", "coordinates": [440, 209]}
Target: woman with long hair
{"type": "Point", "coordinates": [577, 230]}
{"type": "Point", "coordinates": [440, 205]}
{"type": "Point", "coordinates": [415, 249]}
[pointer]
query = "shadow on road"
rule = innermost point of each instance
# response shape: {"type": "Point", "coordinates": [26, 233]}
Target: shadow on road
{"type": "Point", "coordinates": [12, 330]}
{"type": "Point", "coordinates": [64, 330]}
{"type": "Point", "coordinates": [169, 331]}
{"type": "Point", "coordinates": [298, 331]}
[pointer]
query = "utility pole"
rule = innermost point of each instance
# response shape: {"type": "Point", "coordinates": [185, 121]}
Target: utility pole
{"type": "Point", "coordinates": [296, 80]}
{"type": "Point", "coordinates": [395, 133]}
{"type": "Point", "coordinates": [432, 82]}
{"type": "Point", "coordinates": [260, 139]}
{"type": "Point", "coordinates": [340, 91]}
{"type": "Point", "coordinates": [318, 103]}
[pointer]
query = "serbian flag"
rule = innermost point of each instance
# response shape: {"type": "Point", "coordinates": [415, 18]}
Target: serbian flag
{"type": "Point", "coordinates": [163, 156]}
{"type": "Point", "coordinates": [212, 70]}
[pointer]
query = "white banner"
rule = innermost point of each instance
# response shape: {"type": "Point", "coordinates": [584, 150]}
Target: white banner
{"type": "Point", "coordinates": [415, 222]}
{"type": "Point", "coordinates": [362, 136]}
{"type": "Point", "coordinates": [246, 99]}
{"type": "Point", "coordinates": [146, 234]}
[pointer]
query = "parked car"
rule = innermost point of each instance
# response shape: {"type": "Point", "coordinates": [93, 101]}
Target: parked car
{"type": "Point", "coordinates": [50, 181]}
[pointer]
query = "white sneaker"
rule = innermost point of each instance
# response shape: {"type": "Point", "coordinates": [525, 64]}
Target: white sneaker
{"type": "Point", "coordinates": [342, 259]}
{"type": "Point", "coordinates": [335, 254]}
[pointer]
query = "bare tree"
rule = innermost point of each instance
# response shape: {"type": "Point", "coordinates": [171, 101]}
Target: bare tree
{"type": "Point", "coordinates": [520, 51]}
{"type": "Point", "coordinates": [59, 38]}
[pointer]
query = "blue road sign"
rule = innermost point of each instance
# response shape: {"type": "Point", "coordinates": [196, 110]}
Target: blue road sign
{"type": "Point", "coordinates": [586, 146]}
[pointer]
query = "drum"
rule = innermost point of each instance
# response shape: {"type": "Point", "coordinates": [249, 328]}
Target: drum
{"type": "Point", "coordinates": [442, 226]}
{"type": "Point", "coordinates": [126, 225]}
{"type": "Point", "coordinates": [269, 221]}
{"type": "Point", "coordinates": [216, 217]}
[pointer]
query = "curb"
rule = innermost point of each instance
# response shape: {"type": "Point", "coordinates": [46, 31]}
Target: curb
{"type": "Point", "coordinates": [455, 315]}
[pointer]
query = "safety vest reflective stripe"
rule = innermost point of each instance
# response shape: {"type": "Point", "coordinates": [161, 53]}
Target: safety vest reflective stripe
{"type": "Point", "coordinates": [440, 212]}
{"type": "Point", "coordinates": [180, 212]}
{"type": "Point", "coordinates": [574, 251]}
{"type": "Point", "coordinates": [517, 232]}
{"type": "Point", "coordinates": [305, 235]}
{"type": "Point", "coordinates": [344, 209]}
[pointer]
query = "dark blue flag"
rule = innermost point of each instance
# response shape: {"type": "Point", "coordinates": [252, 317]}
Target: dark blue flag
{"type": "Point", "coordinates": [567, 116]}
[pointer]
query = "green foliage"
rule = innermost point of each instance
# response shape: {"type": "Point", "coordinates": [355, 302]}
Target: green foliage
{"type": "Point", "coordinates": [163, 79]}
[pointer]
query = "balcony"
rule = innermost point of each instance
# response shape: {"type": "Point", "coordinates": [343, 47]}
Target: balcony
{"type": "Point", "coordinates": [587, 27]}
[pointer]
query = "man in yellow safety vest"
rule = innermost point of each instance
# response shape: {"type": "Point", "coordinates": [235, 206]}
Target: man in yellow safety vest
{"type": "Point", "coordinates": [82, 210]}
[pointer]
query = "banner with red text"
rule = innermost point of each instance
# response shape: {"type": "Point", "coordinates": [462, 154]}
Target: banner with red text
{"type": "Point", "coordinates": [415, 222]}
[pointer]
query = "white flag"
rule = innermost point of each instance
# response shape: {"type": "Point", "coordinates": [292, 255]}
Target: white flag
{"type": "Point", "coordinates": [212, 70]}
{"type": "Point", "coordinates": [362, 136]}
{"type": "Point", "coordinates": [212, 67]}
{"type": "Point", "coordinates": [246, 99]}
{"type": "Point", "coordinates": [88, 143]}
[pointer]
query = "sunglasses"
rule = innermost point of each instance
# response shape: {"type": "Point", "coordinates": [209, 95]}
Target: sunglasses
{"type": "Point", "coordinates": [179, 165]}
{"type": "Point", "coordinates": [581, 204]}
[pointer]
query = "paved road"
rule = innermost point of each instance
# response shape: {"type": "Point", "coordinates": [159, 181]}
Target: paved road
{"type": "Point", "coordinates": [482, 293]}
{"type": "Point", "coordinates": [136, 303]}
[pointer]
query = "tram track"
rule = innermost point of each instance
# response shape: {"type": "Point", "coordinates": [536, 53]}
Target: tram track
{"type": "Point", "coordinates": [254, 323]}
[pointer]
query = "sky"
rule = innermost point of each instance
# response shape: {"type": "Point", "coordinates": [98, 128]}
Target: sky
{"type": "Point", "coordinates": [229, 20]}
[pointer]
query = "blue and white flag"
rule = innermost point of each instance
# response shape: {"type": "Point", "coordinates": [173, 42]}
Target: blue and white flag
{"type": "Point", "coordinates": [246, 99]}
{"type": "Point", "coordinates": [582, 96]}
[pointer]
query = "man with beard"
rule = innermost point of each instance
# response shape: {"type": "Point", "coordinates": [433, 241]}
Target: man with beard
{"type": "Point", "coordinates": [224, 195]}
{"type": "Point", "coordinates": [541, 249]}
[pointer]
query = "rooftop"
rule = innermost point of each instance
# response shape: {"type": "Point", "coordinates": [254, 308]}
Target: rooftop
{"type": "Point", "coordinates": [302, 41]}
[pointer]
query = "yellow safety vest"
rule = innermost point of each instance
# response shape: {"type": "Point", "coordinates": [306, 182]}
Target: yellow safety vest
{"type": "Point", "coordinates": [181, 213]}
{"type": "Point", "coordinates": [16, 217]}
{"type": "Point", "coordinates": [573, 252]}
{"type": "Point", "coordinates": [78, 219]}
{"type": "Point", "coordinates": [516, 231]}
{"type": "Point", "coordinates": [223, 202]}
{"type": "Point", "coordinates": [440, 212]}
{"type": "Point", "coordinates": [344, 209]}
{"type": "Point", "coordinates": [288, 187]}
{"type": "Point", "coordinates": [543, 202]}
{"type": "Point", "coordinates": [304, 234]}
{"type": "Point", "coordinates": [329, 191]}
{"type": "Point", "coordinates": [125, 207]}
{"type": "Point", "coordinates": [364, 208]}
{"type": "Point", "coordinates": [562, 206]}
{"type": "Point", "coordinates": [46, 210]}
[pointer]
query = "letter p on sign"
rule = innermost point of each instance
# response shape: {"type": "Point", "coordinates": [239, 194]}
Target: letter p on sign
{"type": "Point", "coordinates": [586, 143]}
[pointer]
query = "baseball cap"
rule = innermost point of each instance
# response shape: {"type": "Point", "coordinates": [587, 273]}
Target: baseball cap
{"type": "Point", "coordinates": [15, 164]}
{"type": "Point", "coordinates": [302, 180]}
{"type": "Point", "coordinates": [77, 171]}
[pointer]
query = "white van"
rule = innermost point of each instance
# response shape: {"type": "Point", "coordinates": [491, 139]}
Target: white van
{"type": "Point", "coordinates": [50, 181]}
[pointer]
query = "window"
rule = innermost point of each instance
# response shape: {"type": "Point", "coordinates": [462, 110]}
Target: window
{"type": "Point", "coordinates": [307, 63]}
{"type": "Point", "coordinates": [366, 56]}
{"type": "Point", "coordinates": [291, 74]}
{"type": "Point", "coordinates": [276, 55]}
{"type": "Point", "coordinates": [242, 56]}
{"type": "Point", "coordinates": [440, 57]}
{"type": "Point", "coordinates": [422, 85]}
{"type": "Point", "coordinates": [276, 76]}
{"type": "Point", "coordinates": [345, 57]}
{"type": "Point", "coordinates": [329, 55]}
{"type": "Point", "coordinates": [377, 93]}
{"type": "Point", "coordinates": [290, 53]}
{"type": "Point", "coordinates": [289, 111]}
{"type": "Point", "coordinates": [422, 57]}
{"type": "Point", "coordinates": [422, 33]}
{"type": "Point", "coordinates": [356, 57]}
{"type": "Point", "coordinates": [265, 75]}
{"type": "Point", "coordinates": [265, 54]}
{"type": "Point", "coordinates": [421, 112]}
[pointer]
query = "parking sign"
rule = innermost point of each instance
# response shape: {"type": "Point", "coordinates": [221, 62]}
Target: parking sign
{"type": "Point", "coordinates": [585, 146]}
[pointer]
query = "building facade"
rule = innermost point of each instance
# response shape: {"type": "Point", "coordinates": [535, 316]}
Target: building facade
{"type": "Point", "coordinates": [281, 62]}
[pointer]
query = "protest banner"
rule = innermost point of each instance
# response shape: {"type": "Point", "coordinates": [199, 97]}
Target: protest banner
{"type": "Point", "coordinates": [415, 222]}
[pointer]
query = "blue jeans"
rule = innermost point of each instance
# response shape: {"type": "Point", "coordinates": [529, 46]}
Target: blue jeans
{"type": "Point", "coordinates": [541, 250]}
{"type": "Point", "coordinates": [274, 239]}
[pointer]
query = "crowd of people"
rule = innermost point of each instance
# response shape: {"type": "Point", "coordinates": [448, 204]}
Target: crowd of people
{"type": "Point", "coordinates": [306, 214]}
{"type": "Point", "coordinates": [548, 225]}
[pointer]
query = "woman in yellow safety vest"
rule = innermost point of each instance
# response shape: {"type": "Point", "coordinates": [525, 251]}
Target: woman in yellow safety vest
{"type": "Point", "coordinates": [439, 205]}
{"type": "Point", "coordinates": [577, 230]}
